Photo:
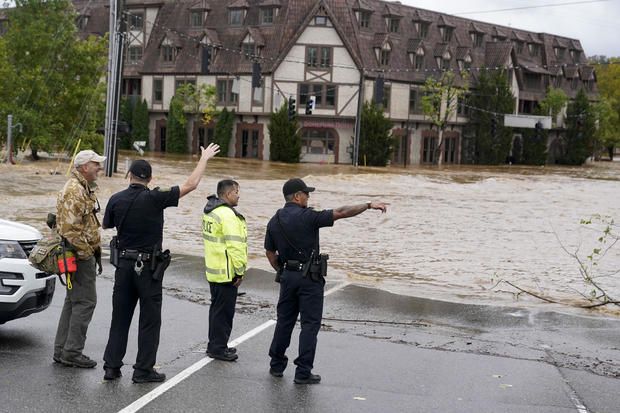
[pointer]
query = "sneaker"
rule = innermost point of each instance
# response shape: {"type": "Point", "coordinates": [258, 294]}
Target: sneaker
{"type": "Point", "coordinates": [231, 350]}
{"type": "Point", "coordinates": [226, 356]}
{"type": "Point", "coordinates": [112, 373]}
{"type": "Point", "coordinates": [311, 379]}
{"type": "Point", "coordinates": [81, 361]}
{"type": "Point", "coordinates": [276, 373]}
{"type": "Point", "coordinates": [152, 377]}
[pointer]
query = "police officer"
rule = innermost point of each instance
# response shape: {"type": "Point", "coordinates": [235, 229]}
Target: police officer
{"type": "Point", "coordinates": [291, 243]}
{"type": "Point", "coordinates": [138, 215]}
{"type": "Point", "coordinates": [225, 235]}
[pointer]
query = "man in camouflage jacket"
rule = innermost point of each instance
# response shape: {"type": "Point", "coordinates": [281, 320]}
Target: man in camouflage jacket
{"type": "Point", "coordinates": [77, 222]}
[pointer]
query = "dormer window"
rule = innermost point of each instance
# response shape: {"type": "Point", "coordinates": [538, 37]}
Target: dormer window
{"type": "Point", "coordinates": [364, 18]}
{"type": "Point", "coordinates": [168, 53]}
{"type": "Point", "coordinates": [534, 49]}
{"type": "Point", "coordinates": [499, 38]}
{"type": "Point", "coordinates": [575, 55]}
{"type": "Point", "coordinates": [195, 18]}
{"type": "Point", "coordinates": [320, 20]}
{"type": "Point", "coordinates": [393, 24]}
{"type": "Point", "coordinates": [236, 17]}
{"type": "Point", "coordinates": [443, 62]}
{"type": "Point", "coordinates": [248, 49]}
{"type": "Point", "coordinates": [136, 21]}
{"type": "Point", "coordinates": [384, 55]}
{"type": "Point", "coordinates": [476, 38]}
{"type": "Point", "coordinates": [81, 23]}
{"type": "Point", "coordinates": [421, 28]}
{"type": "Point", "coordinates": [465, 64]}
{"type": "Point", "coordinates": [446, 33]}
{"type": "Point", "coordinates": [559, 52]}
{"type": "Point", "coordinates": [267, 15]}
{"type": "Point", "coordinates": [519, 46]}
{"type": "Point", "coordinates": [417, 59]}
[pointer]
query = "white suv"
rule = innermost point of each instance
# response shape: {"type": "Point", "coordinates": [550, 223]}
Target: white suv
{"type": "Point", "coordinates": [23, 289]}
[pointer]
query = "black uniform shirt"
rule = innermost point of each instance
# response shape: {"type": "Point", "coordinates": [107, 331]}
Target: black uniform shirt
{"type": "Point", "coordinates": [301, 226]}
{"type": "Point", "coordinates": [143, 226]}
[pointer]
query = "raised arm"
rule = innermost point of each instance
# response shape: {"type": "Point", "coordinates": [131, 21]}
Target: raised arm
{"type": "Point", "coordinates": [194, 179]}
{"type": "Point", "coordinates": [353, 210]}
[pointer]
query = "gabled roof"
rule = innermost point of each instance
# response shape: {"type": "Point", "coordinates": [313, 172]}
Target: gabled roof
{"type": "Point", "coordinates": [475, 27]}
{"type": "Point", "coordinates": [392, 10]}
{"type": "Point", "coordinates": [586, 72]}
{"type": "Point", "coordinates": [379, 40]}
{"type": "Point", "coordinates": [212, 35]}
{"type": "Point", "coordinates": [259, 40]}
{"type": "Point", "coordinates": [414, 44]}
{"type": "Point", "coordinates": [519, 36]}
{"type": "Point", "coordinates": [421, 16]}
{"type": "Point", "coordinates": [499, 32]}
{"type": "Point", "coordinates": [532, 38]}
{"type": "Point", "coordinates": [362, 5]}
{"type": "Point", "coordinates": [200, 6]}
{"type": "Point", "coordinates": [444, 21]}
{"type": "Point", "coordinates": [270, 3]}
{"type": "Point", "coordinates": [462, 52]}
{"type": "Point", "coordinates": [239, 4]}
{"type": "Point", "coordinates": [441, 49]}
{"type": "Point", "coordinates": [576, 45]}
{"type": "Point", "coordinates": [560, 42]}
{"type": "Point", "coordinates": [173, 38]}
{"type": "Point", "coordinates": [571, 71]}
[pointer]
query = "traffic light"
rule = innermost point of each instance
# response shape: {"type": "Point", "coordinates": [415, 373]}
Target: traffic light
{"type": "Point", "coordinates": [310, 105]}
{"type": "Point", "coordinates": [256, 75]}
{"type": "Point", "coordinates": [493, 126]}
{"type": "Point", "coordinates": [292, 110]}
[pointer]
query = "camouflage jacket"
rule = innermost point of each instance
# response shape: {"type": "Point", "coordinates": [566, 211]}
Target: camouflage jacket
{"type": "Point", "coordinates": [76, 220]}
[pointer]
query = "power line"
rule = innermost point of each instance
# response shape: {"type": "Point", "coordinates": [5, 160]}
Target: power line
{"type": "Point", "coordinates": [540, 6]}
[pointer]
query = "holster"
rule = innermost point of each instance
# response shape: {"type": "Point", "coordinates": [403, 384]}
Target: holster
{"type": "Point", "coordinates": [159, 264]}
{"type": "Point", "coordinates": [115, 252]}
{"type": "Point", "coordinates": [318, 268]}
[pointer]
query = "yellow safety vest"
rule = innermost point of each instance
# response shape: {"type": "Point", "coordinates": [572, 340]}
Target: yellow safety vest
{"type": "Point", "coordinates": [225, 236]}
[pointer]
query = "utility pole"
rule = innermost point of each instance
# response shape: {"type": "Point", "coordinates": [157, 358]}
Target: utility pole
{"type": "Point", "coordinates": [358, 122]}
{"type": "Point", "coordinates": [115, 68]}
{"type": "Point", "coordinates": [9, 139]}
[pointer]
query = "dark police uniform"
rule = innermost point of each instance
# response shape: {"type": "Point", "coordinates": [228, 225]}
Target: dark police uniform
{"type": "Point", "coordinates": [141, 232]}
{"type": "Point", "coordinates": [298, 293]}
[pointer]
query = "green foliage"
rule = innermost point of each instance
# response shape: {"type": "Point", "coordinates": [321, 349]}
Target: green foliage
{"type": "Point", "coordinates": [49, 78]}
{"type": "Point", "coordinates": [223, 130]}
{"type": "Point", "coordinates": [176, 135]}
{"type": "Point", "coordinates": [553, 103]}
{"type": "Point", "coordinates": [534, 147]}
{"type": "Point", "coordinates": [140, 122]}
{"type": "Point", "coordinates": [492, 95]}
{"type": "Point", "coordinates": [580, 131]}
{"type": "Point", "coordinates": [376, 140]}
{"type": "Point", "coordinates": [608, 115]}
{"type": "Point", "coordinates": [285, 140]}
{"type": "Point", "coordinates": [199, 99]}
{"type": "Point", "coordinates": [125, 115]}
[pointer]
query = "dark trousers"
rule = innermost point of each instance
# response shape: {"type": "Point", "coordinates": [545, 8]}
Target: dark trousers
{"type": "Point", "coordinates": [77, 311]}
{"type": "Point", "coordinates": [221, 314]}
{"type": "Point", "coordinates": [130, 287]}
{"type": "Point", "coordinates": [298, 296]}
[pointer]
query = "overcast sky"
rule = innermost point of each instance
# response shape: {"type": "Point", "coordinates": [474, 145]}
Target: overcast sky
{"type": "Point", "coordinates": [596, 25]}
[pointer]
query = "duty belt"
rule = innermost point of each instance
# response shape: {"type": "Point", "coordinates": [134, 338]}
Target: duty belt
{"type": "Point", "coordinates": [135, 255]}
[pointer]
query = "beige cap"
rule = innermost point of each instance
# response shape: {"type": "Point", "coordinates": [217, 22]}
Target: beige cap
{"type": "Point", "coordinates": [83, 157]}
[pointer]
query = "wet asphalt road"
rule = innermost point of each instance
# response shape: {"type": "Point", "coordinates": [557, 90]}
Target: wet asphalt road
{"type": "Point", "coordinates": [377, 352]}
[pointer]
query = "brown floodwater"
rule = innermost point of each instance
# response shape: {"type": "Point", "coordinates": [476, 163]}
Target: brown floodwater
{"type": "Point", "coordinates": [449, 233]}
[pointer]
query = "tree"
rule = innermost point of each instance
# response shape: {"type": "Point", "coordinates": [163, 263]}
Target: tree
{"type": "Point", "coordinates": [492, 95]}
{"type": "Point", "coordinates": [125, 117]}
{"type": "Point", "coordinates": [439, 103]}
{"type": "Point", "coordinates": [608, 83]}
{"type": "Point", "coordinates": [51, 79]}
{"type": "Point", "coordinates": [553, 103]}
{"type": "Point", "coordinates": [580, 130]}
{"type": "Point", "coordinates": [223, 130]}
{"type": "Point", "coordinates": [140, 122]}
{"type": "Point", "coordinates": [176, 135]}
{"type": "Point", "coordinates": [376, 140]}
{"type": "Point", "coordinates": [285, 140]}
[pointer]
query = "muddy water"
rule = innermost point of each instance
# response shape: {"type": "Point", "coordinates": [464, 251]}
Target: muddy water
{"type": "Point", "coordinates": [447, 235]}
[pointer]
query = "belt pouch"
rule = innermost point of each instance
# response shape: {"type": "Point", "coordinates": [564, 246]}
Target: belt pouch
{"type": "Point", "coordinates": [114, 251]}
{"type": "Point", "coordinates": [163, 261]}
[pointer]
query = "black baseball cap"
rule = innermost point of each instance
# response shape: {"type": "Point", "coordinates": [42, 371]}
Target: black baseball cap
{"type": "Point", "coordinates": [140, 169]}
{"type": "Point", "coordinates": [295, 185]}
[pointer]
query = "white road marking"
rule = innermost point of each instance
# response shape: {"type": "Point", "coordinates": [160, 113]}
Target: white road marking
{"type": "Point", "coordinates": [161, 389]}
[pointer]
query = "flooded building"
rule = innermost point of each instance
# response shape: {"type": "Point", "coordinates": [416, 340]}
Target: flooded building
{"type": "Point", "coordinates": [330, 51]}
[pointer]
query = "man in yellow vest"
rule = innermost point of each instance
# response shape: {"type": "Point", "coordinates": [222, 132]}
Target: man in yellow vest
{"type": "Point", "coordinates": [225, 235]}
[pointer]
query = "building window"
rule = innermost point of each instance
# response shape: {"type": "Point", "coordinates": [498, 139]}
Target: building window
{"type": "Point", "coordinates": [534, 49]}
{"type": "Point", "coordinates": [136, 21]}
{"type": "Point", "coordinates": [387, 89]}
{"type": "Point", "coordinates": [248, 50]}
{"type": "Point", "coordinates": [205, 136]}
{"type": "Point", "coordinates": [266, 15]}
{"type": "Point", "coordinates": [446, 33]}
{"type": "Point", "coordinates": [134, 54]}
{"type": "Point", "coordinates": [384, 55]}
{"type": "Point", "coordinates": [428, 149]}
{"type": "Point", "coordinates": [235, 17]}
{"type": "Point", "coordinates": [320, 21]}
{"type": "Point", "coordinates": [364, 19]}
{"type": "Point", "coordinates": [559, 52]}
{"type": "Point", "coordinates": [418, 60]}
{"type": "Point", "coordinates": [422, 29]}
{"type": "Point", "coordinates": [317, 141]}
{"type": "Point", "coordinates": [393, 24]}
{"type": "Point", "coordinates": [249, 143]}
{"type": "Point", "coordinates": [414, 101]}
{"type": "Point", "coordinates": [180, 82]}
{"type": "Point", "coordinates": [158, 90]}
{"type": "Point", "coordinates": [556, 81]}
{"type": "Point", "coordinates": [319, 57]}
{"type": "Point", "coordinates": [477, 38]}
{"type": "Point", "coordinates": [449, 149]}
{"type": "Point", "coordinates": [168, 53]}
{"type": "Point", "coordinates": [324, 94]}
{"type": "Point", "coordinates": [575, 55]}
{"type": "Point", "coordinates": [195, 19]}
{"type": "Point", "coordinates": [574, 83]}
{"type": "Point", "coordinates": [462, 107]}
{"type": "Point", "coordinates": [519, 46]}
{"type": "Point", "coordinates": [225, 95]}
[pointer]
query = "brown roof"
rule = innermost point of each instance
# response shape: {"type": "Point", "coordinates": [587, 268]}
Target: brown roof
{"type": "Point", "coordinates": [497, 54]}
{"type": "Point", "coordinates": [239, 4]}
{"type": "Point", "coordinates": [476, 27]}
{"type": "Point", "coordinates": [586, 72]}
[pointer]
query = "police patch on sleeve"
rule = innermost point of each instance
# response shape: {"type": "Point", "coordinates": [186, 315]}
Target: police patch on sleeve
{"type": "Point", "coordinates": [164, 189]}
